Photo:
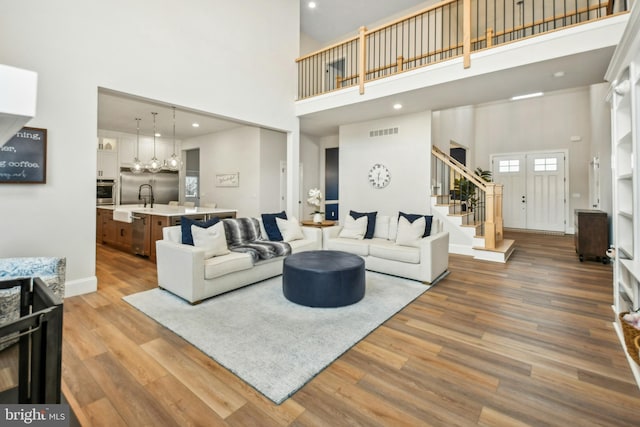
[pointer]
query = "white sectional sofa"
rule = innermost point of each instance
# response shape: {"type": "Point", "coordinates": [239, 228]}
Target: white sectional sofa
{"type": "Point", "coordinates": [185, 271]}
{"type": "Point", "coordinates": [424, 260]}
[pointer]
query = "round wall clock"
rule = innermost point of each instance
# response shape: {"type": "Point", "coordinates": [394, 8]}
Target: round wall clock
{"type": "Point", "coordinates": [379, 176]}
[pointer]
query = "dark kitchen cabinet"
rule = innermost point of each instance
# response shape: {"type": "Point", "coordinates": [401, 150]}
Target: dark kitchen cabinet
{"type": "Point", "coordinates": [157, 224]}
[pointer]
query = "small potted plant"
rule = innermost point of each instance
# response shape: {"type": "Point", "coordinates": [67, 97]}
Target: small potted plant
{"type": "Point", "coordinates": [315, 199]}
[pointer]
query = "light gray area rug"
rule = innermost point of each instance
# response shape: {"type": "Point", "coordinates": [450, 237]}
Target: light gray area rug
{"type": "Point", "coordinates": [275, 345]}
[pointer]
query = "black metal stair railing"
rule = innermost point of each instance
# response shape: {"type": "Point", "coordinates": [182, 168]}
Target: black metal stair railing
{"type": "Point", "coordinates": [455, 186]}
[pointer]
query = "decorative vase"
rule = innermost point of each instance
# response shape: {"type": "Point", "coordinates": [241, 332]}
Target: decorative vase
{"type": "Point", "coordinates": [317, 218]}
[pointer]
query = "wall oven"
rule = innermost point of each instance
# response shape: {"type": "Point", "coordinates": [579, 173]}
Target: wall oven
{"type": "Point", "coordinates": [105, 192]}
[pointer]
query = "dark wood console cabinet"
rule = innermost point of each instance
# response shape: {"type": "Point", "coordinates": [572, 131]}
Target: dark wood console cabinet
{"type": "Point", "coordinates": [592, 234]}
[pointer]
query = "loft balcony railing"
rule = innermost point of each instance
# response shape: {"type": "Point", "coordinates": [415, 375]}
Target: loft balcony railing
{"type": "Point", "coordinates": [447, 30]}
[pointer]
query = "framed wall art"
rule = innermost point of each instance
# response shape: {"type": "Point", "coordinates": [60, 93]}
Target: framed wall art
{"type": "Point", "coordinates": [228, 179]}
{"type": "Point", "coordinates": [23, 159]}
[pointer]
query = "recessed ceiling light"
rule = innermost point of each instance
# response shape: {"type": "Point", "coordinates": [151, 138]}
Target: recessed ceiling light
{"type": "Point", "coordinates": [195, 125]}
{"type": "Point", "coordinates": [397, 106]}
{"type": "Point", "coordinates": [528, 95]}
{"type": "Point", "coordinates": [158, 134]}
{"type": "Point", "coordinates": [312, 5]}
{"type": "Point", "coordinates": [558, 74]}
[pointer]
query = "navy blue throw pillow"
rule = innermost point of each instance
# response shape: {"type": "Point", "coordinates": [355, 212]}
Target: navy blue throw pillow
{"type": "Point", "coordinates": [271, 227]}
{"type": "Point", "coordinates": [413, 217]}
{"type": "Point", "coordinates": [185, 226]}
{"type": "Point", "coordinates": [371, 222]}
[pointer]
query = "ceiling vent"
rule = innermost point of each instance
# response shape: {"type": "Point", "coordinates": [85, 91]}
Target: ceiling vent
{"type": "Point", "coordinates": [383, 132]}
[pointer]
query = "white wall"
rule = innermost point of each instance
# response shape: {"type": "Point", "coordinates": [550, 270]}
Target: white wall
{"type": "Point", "coordinates": [230, 151]}
{"type": "Point", "coordinates": [540, 124]}
{"type": "Point", "coordinates": [457, 125]}
{"type": "Point", "coordinates": [406, 154]}
{"type": "Point", "coordinates": [273, 151]}
{"type": "Point", "coordinates": [310, 159]}
{"type": "Point", "coordinates": [225, 58]}
{"type": "Point", "coordinates": [309, 45]}
{"type": "Point", "coordinates": [253, 152]}
{"type": "Point", "coordinates": [600, 122]}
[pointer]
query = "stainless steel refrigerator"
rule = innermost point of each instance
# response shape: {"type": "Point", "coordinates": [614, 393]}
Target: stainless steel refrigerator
{"type": "Point", "coordinates": [165, 186]}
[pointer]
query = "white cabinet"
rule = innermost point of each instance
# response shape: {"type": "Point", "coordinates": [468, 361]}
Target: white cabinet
{"type": "Point", "coordinates": [107, 164]}
{"type": "Point", "coordinates": [624, 75]}
{"type": "Point", "coordinates": [164, 150]}
{"type": "Point", "coordinates": [127, 150]}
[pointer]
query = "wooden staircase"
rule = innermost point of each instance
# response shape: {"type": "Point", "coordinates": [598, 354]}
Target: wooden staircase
{"type": "Point", "coordinates": [470, 209]}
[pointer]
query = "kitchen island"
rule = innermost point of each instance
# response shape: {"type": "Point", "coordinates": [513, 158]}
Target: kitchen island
{"type": "Point", "coordinates": [135, 228]}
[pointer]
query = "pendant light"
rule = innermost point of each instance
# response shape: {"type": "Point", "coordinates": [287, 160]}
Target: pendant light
{"type": "Point", "coordinates": [154, 165]}
{"type": "Point", "coordinates": [137, 166]}
{"type": "Point", "coordinates": [174, 161]}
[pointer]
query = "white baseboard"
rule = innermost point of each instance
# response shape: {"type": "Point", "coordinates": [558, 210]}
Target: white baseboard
{"type": "Point", "coordinates": [80, 286]}
{"type": "Point", "coordinates": [489, 256]}
{"type": "Point", "coordinates": [460, 249]}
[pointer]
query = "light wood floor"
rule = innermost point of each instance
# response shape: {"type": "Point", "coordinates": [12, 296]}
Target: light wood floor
{"type": "Point", "coordinates": [526, 343]}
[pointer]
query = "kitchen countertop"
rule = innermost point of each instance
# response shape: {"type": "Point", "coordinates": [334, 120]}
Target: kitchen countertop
{"type": "Point", "coordinates": [166, 210]}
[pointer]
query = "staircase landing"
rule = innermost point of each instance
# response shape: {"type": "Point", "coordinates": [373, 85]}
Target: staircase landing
{"type": "Point", "coordinates": [501, 253]}
{"type": "Point", "coordinates": [473, 229]}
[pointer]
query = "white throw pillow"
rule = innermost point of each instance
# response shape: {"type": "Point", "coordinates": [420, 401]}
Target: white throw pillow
{"type": "Point", "coordinates": [393, 227]}
{"type": "Point", "coordinates": [382, 227]}
{"type": "Point", "coordinates": [290, 229]}
{"type": "Point", "coordinates": [410, 232]}
{"type": "Point", "coordinates": [354, 228]}
{"type": "Point", "coordinates": [263, 231]}
{"type": "Point", "coordinates": [212, 239]}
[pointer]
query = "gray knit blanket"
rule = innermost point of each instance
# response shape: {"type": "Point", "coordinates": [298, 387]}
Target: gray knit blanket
{"type": "Point", "coordinates": [244, 235]}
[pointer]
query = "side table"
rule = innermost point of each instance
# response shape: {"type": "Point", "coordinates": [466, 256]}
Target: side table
{"type": "Point", "coordinates": [325, 223]}
{"type": "Point", "coordinates": [591, 236]}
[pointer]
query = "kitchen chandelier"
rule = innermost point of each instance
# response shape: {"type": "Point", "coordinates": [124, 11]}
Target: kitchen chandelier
{"type": "Point", "coordinates": [173, 163]}
{"type": "Point", "coordinates": [137, 166]}
{"type": "Point", "coordinates": [154, 165]}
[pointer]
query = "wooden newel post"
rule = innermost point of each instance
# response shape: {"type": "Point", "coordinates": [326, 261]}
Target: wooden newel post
{"type": "Point", "coordinates": [489, 37]}
{"type": "Point", "coordinates": [338, 82]}
{"type": "Point", "coordinates": [400, 64]}
{"type": "Point", "coordinates": [490, 224]}
{"type": "Point", "coordinates": [466, 33]}
{"type": "Point", "coordinates": [363, 58]}
{"type": "Point", "coordinates": [498, 208]}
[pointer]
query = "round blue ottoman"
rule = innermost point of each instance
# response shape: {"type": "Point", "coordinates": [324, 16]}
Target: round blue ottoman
{"type": "Point", "coordinates": [323, 278]}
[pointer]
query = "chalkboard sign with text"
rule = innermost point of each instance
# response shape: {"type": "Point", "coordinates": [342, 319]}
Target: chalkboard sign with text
{"type": "Point", "coordinates": [23, 159]}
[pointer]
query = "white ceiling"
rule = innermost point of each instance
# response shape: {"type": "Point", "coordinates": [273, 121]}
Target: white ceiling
{"type": "Point", "coordinates": [118, 111]}
{"type": "Point", "coordinates": [333, 19]}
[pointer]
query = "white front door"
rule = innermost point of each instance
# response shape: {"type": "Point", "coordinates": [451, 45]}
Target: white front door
{"type": "Point", "coordinates": [545, 191]}
{"type": "Point", "coordinates": [534, 190]}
